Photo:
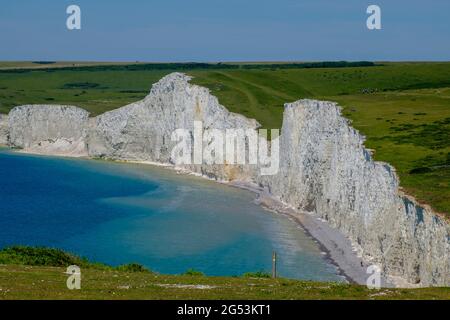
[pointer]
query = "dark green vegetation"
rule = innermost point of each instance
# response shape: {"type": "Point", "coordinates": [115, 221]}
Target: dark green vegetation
{"type": "Point", "coordinates": [39, 273]}
{"type": "Point", "coordinates": [6, 65]}
{"type": "Point", "coordinates": [193, 272]}
{"type": "Point", "coordinates": [187, 66]}
{"type": "Point", "coordinates": [41, 256]}
{"type": "Point", "coordinates": [402, 108]}
{"type": "Point", "coordinates": [258, 274]}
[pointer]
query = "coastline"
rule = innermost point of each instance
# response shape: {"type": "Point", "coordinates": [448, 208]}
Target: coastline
{"type": "Point", "coordinates": [326, 168]}
{"type": "Point", "coordinates": [339, 250]}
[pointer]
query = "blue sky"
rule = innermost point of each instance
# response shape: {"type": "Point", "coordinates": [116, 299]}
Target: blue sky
{"type": "Point", "coordinates": [224, 30]}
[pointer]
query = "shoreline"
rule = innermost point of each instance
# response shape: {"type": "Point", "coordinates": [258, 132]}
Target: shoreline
{"type": "Point", "coordinates": [338, 249]}
{"type": "Point", "coordinates": [261, 201]}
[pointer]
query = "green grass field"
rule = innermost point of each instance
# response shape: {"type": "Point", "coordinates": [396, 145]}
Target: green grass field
{"type": "Point", "coordinates": [25, 282]}
{"type": "Point", "coordinates": [402, 108]}
{"type": "Point", "coordinates": [39, 273]}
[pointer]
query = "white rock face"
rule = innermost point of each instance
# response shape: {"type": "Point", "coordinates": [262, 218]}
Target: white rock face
{"type": "Point", "coordinates": [3, 129]}
{"type": "Point", "coordinates": [142, 130]}
{"type": "Point", "coordinates": [59, 130]}
{"type": "Point", "coordinates": [324, 167]}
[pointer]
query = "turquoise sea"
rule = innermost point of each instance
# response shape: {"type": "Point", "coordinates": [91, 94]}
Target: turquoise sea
{"type": "Point", "coordinates": [120, 213]}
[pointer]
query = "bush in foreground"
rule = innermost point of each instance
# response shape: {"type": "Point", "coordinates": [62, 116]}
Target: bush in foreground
{"type": "Point", "coordinates": [258, 274]}
{"type": "Point", "coordinates": [52, 257]}
{"type": "Point", "coordinates": [132, 267]}
{"type": "Point", "coordinates": [193, 272]}
{"type": "Point", "coordinates": [40, 256]}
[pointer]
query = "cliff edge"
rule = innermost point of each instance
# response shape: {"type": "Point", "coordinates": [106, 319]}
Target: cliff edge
{"type": "Point", "coordinates": [324, 167]}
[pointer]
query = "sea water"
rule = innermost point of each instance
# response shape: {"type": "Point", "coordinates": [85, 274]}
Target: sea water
{"type": "Point", "coordinates": [119, 213]}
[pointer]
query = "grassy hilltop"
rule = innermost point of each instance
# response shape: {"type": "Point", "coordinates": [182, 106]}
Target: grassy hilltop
{"type": "Point", "coordinates": [402, 108]}
{"type": "Point", "coordinates": [39, 273]}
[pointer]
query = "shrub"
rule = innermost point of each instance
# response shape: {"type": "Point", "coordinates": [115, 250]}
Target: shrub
{"type": "Point", "coordinates": [80, 85]}
{"type": "Point", "coordinates": [258, 274]}
{"type": "Point", "coordinates": [42, 256]}
{"type": "Point", "coordinates": [39, 256]}
{"type": "Point", "coordinates": [132, 267]}
{"type": "Point", "coordinates": [420, 170]}
{"type": "Point", "coordinates": [193, 272]}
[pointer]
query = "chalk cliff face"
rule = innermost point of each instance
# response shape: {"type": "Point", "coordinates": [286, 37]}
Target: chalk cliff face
{"type": "Point", "coordinates": [324, 167]}
{"type": "Point", "coordinates": [59, 130]}
{"type": "Point", "coordinates": [3, 129]}
{"type": "Point", "coordinates": [142, 130]}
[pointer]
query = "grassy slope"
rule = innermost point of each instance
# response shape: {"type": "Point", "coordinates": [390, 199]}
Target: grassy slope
{"type": "Point", "coordinates": [27, 282]}
{"type": "Point", "coordinates": [405, 115]}
{"type": "Point", "coordinates": [116, 88]}
{"type": "Point", "coordinates": [39, 273]}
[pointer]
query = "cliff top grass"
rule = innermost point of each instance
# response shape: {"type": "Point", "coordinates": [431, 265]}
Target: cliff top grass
{"type": "Point", "coordinates": [39, 273]}
{"type": "Point", "coordinates": [402, 108]}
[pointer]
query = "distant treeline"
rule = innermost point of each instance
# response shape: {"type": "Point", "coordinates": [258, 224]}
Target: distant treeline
{"type": "Point", "coordinates": [201, 66]}
{"type": "Point", "coordinates": [44, 62]}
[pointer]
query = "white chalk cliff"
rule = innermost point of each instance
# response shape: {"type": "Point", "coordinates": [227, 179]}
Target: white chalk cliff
{"type": "Point", "coordinates": [324, 167]}
{"type": "Point", "coordinates": [3, 129]}
{"type": "Point", "coordinates": [58, 130]}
